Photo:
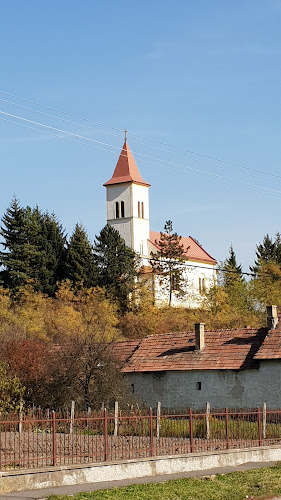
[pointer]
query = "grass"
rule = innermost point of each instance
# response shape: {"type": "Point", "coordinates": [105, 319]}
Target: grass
{"type": "Point", "coordinates": [254, 483]}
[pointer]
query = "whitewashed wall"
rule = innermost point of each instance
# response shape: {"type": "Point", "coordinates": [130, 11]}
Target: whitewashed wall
{"type": "Point", "coordinates": [192, 297]}
{"type": "Point", "coordinates": [222, 388]}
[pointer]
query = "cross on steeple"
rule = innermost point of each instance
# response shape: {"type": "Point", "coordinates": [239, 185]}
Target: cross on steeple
{"type": "Point", "coordinates": [125, 131]}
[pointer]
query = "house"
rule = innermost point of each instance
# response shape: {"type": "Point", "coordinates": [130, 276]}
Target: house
{"type": "Point", "coordinates": [228, 368]}
{"type": "Point", "coordinates": [127, 199]}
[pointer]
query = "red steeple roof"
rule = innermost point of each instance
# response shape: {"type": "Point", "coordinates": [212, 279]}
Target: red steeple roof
{"type": "Point", "coordinates": [126, 169]}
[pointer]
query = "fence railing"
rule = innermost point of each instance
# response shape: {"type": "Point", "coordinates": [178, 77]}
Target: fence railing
{"type": "Point", "coordinates": [52, 439]}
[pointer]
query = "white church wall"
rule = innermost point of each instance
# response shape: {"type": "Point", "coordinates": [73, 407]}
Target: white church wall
{"type": "Point", "coordinates": [140, 200]}
{"type": "Point", "coordinates": [193, 288]}
{"type": "Point", "coordinates": [118, 193]}
{"type": "Point", "coordinates": [114, 193]}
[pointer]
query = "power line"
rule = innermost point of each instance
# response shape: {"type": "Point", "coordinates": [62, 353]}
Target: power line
{"type": "Point", "coordinates": [210, 267]}
{"type": "Point", "coordinates": [141, 137]}
{"type": "Point", "coordinates": [168, 164]}
{"type": "Point", "coordinates": [140, 143]}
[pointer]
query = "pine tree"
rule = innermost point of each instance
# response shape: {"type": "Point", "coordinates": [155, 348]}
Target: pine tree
{"type": "Point", "coordinates": [12, 258]}
{"type": "Point", "coordinates": [116, 264]}
{"type": "Point", "coordinates": [269, 251]}
{"type": "Point", "coordinates": [33, 248]}
{"type": "Point", "coordinates": [80, 266]}
{"type": "Point", "coordinates": [232, 272]}
{"type": "Point", "coordinates": [167, 260]}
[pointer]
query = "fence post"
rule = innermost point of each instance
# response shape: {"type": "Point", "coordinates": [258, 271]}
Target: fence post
{"type": "Point", "coordinates": [264, 421]}
{"type": "Point", "coordinates": [259, 425]}
{"type": "Point", "coordinates": [158, 420]}
{"type": "Point", "coordinates": [207, 420]}
{"type": "Point", "coordinates": [191, 430]}
{"type": "Point", "coordinates": [88, 415]}
{"type": "Point", "coordinates": [105, 434]}
{"type": "Point", "coordinates": [21, 417]}
{"type": "Point", "coordinates": [116, 412]}
{"type": "Point", "coordinates": [72, 417]}
{"type": "Point", "coordinates": [151, 431]}
{"type": "Point", "coordinates": [54, 439]}
{"type": "Point", "coordinates": [226, 429]}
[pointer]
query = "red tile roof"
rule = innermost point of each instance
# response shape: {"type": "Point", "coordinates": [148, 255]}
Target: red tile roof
{"type": "Point", "coordinates": [193, 250]}
{"type": "Point", "coordinates": [224, 350]}
{"type": "Point", "coordinates": [126, 169]}
{"type": "Point", "coordinates": [271, 347]}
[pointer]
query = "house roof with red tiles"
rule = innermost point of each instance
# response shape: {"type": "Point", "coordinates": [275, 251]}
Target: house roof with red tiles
{"type": "Point", "coordinates": [126, 169]}
{"type": "Point", "coordinates": [192, 248]}
{"type": "Point", "coordinates": [224, 350]}
{"type": "Point", "coordinates": [271, 347]}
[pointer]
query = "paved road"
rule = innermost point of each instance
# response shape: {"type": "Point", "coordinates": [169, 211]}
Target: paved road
{"type": "Point", "coordinates": [72, 490]}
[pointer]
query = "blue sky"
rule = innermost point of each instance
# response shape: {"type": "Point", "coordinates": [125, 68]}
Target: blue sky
{"type": "Point", "coordinates": [199, 76]}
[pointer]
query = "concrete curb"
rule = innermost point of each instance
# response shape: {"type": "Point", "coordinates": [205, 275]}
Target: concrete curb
{"type": "Point", "coordinates": [15, 481]}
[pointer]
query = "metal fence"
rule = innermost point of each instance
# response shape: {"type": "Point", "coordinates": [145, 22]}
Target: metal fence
{"type": "Point", "coordinates": [52, 439]}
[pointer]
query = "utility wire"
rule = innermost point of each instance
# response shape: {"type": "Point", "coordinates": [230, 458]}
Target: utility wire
{"type": "Point", "coordinates": [139, 136]}
{"type": "Point", "coordinates": [169, 164]}
{"type": "Point", "coordinates": [210, 267]}
{"type": "Point", "coordinates": [141, 143]}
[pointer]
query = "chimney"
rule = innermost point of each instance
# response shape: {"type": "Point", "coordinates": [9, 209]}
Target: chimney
{"type": "Point", "coordinates": [272, 317]}
{"type": "Point", "coordinates": [199, 336]}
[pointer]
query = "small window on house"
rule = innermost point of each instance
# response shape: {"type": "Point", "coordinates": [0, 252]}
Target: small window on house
{"type": "Point", "coordinates": [141, 247]}
{"type": "Point", "coordinates": [133, 388]}
{"type": "Point", "coordinates": [122, 209]}
{"type": "Point", "coordinates": [142, 210]}
{"type": "Point", "coordinates": [198, 386]}
{"type": "Point", "coordinates": [139, 209]}
{"type": "Point", "coordinates": [200, 285]}
{"type": "Point", "coordinates": [117, 209]}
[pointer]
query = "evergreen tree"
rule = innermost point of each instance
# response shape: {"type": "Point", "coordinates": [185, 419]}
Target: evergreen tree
{"type": "Point", "coordinates": [33, 248]}
{"type": "Point", "coordinates": [50, 242]}
{"type": "Point", "coordinates": [235, 287]}
{"type": "Point", "coordinates": [12, 258]}
{"type": "Point", "coordinates": [269, 251]}
{"type": "Point", "coordinates": [116, 264]}
{"type": "Point", "coordinates": [232, 272]}
{"type": "Point", "coordinates": [80, 266]}
{"type": "Point", "coordinates": [167, 260]}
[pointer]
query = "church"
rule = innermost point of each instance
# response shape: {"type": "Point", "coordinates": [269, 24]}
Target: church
{"type": "Point", "coordinates": [127, 200]}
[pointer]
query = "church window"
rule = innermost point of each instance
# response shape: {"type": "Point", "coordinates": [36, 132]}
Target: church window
{"type": "Point", "coordinates": [141, 247]}
{"type": "Point", "coordinates": [140, 210]}
{"type": "Point", "coordinates": [117, 209]}
{"type": "Point", "coordinates": [201, 285]}
{"type": "Point", "coordinates": [122, 209]}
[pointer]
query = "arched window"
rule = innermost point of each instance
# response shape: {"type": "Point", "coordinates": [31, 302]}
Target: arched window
{"type": "Point", "coordinates": [117, 209]}
{"type": "Point", "coordinates": [139, 210]}
{"type": "Point", "coordinates": [142, 210]}
{"type": "Point", "coordinates": [122, 209]}
{"type": "Point", "coordinates": [201, 285]}
{"type": "Point", "coordinates": [141, 247]}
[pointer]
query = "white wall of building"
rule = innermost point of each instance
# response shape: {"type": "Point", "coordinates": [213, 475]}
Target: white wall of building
{"type": "Point", "coordinates": [221, 388]}
{"type": "Point", "coordinates": [193, 288]}
{"type": "Point", "coordinates": [134, 227]}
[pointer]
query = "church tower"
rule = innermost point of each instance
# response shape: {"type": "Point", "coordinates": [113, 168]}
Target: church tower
{"type": "Point", "coordinates": [127, 201]}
